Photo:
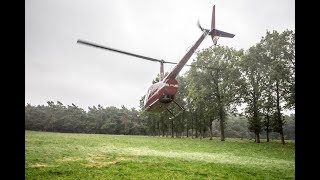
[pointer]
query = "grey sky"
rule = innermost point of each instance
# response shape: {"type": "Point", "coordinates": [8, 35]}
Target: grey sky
{"type": "Point", "coordinates": [57, 68]}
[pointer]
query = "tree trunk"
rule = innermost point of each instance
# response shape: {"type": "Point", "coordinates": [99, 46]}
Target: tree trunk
{"type": "Point", "coordinates": [196, 128]}
{"type": "Point", "coordinates": [203, 128]}
{"type": "Point", "coordinates": [282, 137]}
{"type": "Point", "coordinates": [279, 119]}
{"type": "Point", "coordinates": [187, 129]}
{"type": "Point", "coordinates": [192, 128]}
{"type": "Point", "coordinates": [267, 130]}
{"type": "Point", "coordinates": [256, 121]}
{"type": "Point", "coordinates": [182, 124]}
{"type": "Point", "coordinates": [158, 123]}
{"type": "Point", "coordinates": [211, 129]}
{"type": "Point", "coordinates": [196, 133]}
{"type": "Point", "coordinates": [222, 129]}
{"type": "Point", "coordinates": [221, 123]}
{"type": "Point", "coordinates": [221, 114]}
{"type": "Point", "coordinates": [257, 137]}
{"type": "Point", "coordinates": [172, 133]}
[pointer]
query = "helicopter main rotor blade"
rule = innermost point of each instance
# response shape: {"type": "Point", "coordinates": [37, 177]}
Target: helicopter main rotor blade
{"type": "Point", "coordinates": [123, 52]}
{"type": "Point", "coordinates": [132, 54]}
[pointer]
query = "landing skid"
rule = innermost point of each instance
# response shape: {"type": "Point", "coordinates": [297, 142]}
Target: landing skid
{"type": "Point", "coordinates": [182, 110]}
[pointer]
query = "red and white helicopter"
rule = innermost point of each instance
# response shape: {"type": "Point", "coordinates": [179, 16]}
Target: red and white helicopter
{"type": "Point", "coordinates": [162, 93]}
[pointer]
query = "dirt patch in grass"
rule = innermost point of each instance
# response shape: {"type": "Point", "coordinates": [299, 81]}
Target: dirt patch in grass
{"type": "Point", "coordinates": [69, 159]}
{"type": "Point", "coordinates": [101, 161]}
{"type": "Point", "coordinates": [92, 160]}
{"type": "Point", "coordinates": [40, 165]}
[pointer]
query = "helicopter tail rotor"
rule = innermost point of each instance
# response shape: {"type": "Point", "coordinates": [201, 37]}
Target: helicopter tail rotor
{"type": "Point", "coordinates": [201, 28]}
{"type": "Point", "coordinates": [199, 25]}
{"type": "Point", "coordinates": [213, 32]}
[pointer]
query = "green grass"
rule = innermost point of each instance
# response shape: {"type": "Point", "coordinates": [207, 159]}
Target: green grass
{"type": "Point", "coordinates": [97, 156]}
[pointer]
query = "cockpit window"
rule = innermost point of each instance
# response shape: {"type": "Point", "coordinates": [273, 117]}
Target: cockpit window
{"type": "Point", "coordinates": [151, 91]}
{"type": "Point", "coordinates": [147, 95]}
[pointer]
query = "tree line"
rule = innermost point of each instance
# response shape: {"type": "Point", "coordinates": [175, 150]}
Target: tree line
{"type": "Point", "coordinates": [56, 117]}
{"type": "Point", "coordinates": [260, 79]}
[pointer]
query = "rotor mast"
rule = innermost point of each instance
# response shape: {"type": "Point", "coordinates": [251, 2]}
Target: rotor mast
{"type": "Point", "coordinates": [161, 70]}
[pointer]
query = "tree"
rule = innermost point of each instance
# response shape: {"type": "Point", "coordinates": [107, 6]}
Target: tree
{"type": "Point", "coordinates": [279, 55]}
{"type": "Point", "coordinates": [268, 106]}
{"type": "Point", "coordinates": [253, 88]}
{"type": "Point", "coordinates": [220, 84]}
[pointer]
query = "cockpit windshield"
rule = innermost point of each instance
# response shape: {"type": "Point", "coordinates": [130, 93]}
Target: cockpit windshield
{"type": "Point", "coordinates": [151, 91]}
{"type": "Point", "coordinates": [147, 95]}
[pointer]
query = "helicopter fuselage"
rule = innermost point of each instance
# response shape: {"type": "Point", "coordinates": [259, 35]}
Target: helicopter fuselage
{"type": "Point", "coordinates": [160, 95]}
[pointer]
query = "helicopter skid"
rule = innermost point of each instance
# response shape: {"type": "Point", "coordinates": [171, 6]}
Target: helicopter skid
{"type": "Point", "coordinates": [157, 106]}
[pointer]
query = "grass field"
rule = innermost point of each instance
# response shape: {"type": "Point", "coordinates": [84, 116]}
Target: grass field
{"type": "Point", "coordinates": [96, 156]}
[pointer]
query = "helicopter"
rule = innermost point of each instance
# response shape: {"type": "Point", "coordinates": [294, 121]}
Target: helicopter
{"type": "Point", "coordinates": [161, 94]}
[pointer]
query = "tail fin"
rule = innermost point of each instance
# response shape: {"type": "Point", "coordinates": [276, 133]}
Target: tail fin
{"type": "Point", "coordinates": [223, 34]}
{"type": "Point", "coordinates": [215, 33]}
{"type": "Point", "coordinates": [213, 20]}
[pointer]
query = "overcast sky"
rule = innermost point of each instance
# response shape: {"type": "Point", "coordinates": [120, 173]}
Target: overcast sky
{"type": "Point", "coordinates": [59, 69]}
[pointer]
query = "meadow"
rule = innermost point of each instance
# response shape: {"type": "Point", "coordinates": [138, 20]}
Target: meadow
{"type": "Point", "coordinates": [99, 156]}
